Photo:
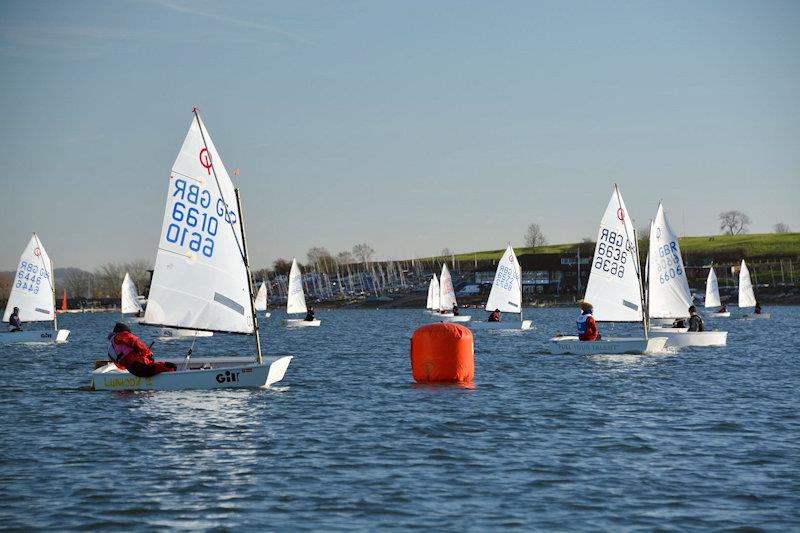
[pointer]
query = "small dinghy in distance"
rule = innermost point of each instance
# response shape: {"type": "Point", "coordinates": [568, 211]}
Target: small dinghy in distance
{"type": "Point", "coordinates": [432, 304]}
{"type": "Point", "coordinates": [712, 296]}
{"type": "Point", "coordinates": [33, 291]}
{"type": "Point", "coordinates": [261, 300]}
{"type": "Point", "coordinates": [747, 297]}
{"type": "Point", "coordinates": [296, 300]}
{"type": "Point", "coordinates": [201, 279]}
{"type": "Point", "coordinates": [506, 295]}
{"type": "Point", "coordinates": [614, 288]}
{"type": "Point", "coordinates": [669, 296]}
{"type": "Point", "coordinates": [447, 299]}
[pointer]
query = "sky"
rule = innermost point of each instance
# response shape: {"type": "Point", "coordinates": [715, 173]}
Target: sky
{"type": "Point", "coordinates": [412, 126]}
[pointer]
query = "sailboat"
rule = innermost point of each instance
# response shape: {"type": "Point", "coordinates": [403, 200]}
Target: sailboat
{"type": "Point", "coordinates": [34, 293]}
{"type": "Point", "coordinates": [129, 297]}
{"type": "Point", "coordinates": [614, 289]}
{"type": "Point", "coordinates": [201, 279]}
{"type": "Point", "coordinates": [447, 299]}
{"type": "Point", "coordinates": [747, 298]}
{"type": "Point", "coordinates": [432, 305]}
{"type": "Point", "coordinates": [261, 300]}
{"type": "Point", "coordinates": [712, 296]}
{"type": "Point", "coordinates": [296, 300]}
{"type": "Point", "coordinates": [668, 291]}
{"type": "Point", "coordinates": [506, 294]}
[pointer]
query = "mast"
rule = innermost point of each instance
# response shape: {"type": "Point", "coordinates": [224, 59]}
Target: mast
{"type": "Point", "coordinates": [53, 288]}
{"type": "Point", "coordinates": [636, 264]}
{"type": "Point", "coordinates": [249, 278]}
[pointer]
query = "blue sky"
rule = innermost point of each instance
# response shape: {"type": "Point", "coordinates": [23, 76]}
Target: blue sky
{"type": "Point", "coordinates": [411, 126]}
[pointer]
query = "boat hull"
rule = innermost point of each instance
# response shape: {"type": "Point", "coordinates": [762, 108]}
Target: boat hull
{"type": "Point", "coordinates": [503, 325]}
{"type": "Point", "coordinates": [34, 336]}
{"type": "Point", "coordinates": [726, 314]}
{"type": "Point", "coordinates": [300, 323]}
{"type": "Point", "coordinates": [450, 318]}
{"type": "Point", "coordinates": [676, 338]}
{"type": "Point", "coordinates": [762, 316]}
{"type": "Point", "coordinates": [611, 345]}
{"type": "Point", "coordinates": [243, 376]}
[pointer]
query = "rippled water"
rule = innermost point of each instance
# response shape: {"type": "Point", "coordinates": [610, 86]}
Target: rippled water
{"type": "Point", "coordinates": [705, 438]}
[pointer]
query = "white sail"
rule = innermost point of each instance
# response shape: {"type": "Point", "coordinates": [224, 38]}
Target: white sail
{"type": "Point", "coordinates": [446, 293]}
{"type": "Point", "coordinates": [613, 287]}
{"type": "Point", "coordinates": [32, 286]}
{"type": "Point", "coordinates": [200, 279]}
{"type": "Point", "coordinates": [712, 289]}
{"type": "Point", "coordinates": [668, 287]}
{"type": "Point", "coordinates": [747, 297]}
{"type": "Point", "coordinates": [129, 296]}
{"type": "Point", "coordinates": [436, 296]}
{"type": "Point", "coordinates": [296, 299]}
{"type": "Point", "coordinates": [506, 293]}
{"type": "Point", "coordinates": [261, 298]}
{"type": "Point", "coordinates": [429, 302]}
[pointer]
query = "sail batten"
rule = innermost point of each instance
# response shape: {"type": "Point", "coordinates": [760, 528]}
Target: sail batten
{"type": "Point", "coordinates": [200, 279]}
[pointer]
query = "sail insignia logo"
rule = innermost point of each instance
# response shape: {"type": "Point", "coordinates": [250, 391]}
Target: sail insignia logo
{"type": "Point", "coordinates": [228, 377]}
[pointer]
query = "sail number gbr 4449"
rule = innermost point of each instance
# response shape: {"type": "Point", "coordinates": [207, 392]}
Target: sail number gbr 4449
{"type": "Point", "coordinates": [195, 216]}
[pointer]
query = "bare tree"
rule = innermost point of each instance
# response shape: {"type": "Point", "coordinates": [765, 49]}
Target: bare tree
{"type": "Point", "coordinates": [78, 283]}
{"type": "Point", "coordinates": [363, 252]}
{"type": "Point", "coordinates": [733, 222]}
{"type": "Point", "coordinates": [780, 227]}
{"type": "Point", "coordinates": [345, 258]}
{"type": "Point", "coordinates": [6, 279]}
{"type": "Point", "coordinates": [321, 258]}
{"type": "Point", "coordinates": [446, 253]}
{"type": "Point", "coordinates": [534, 236]}
{"type": "Point", "coordinates": [281, 267]}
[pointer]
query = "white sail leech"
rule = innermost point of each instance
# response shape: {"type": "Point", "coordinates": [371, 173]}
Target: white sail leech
{"type": "Point", "coordinates": [296, 299]}
{"type": "Point", "coordinates": [200, 279]}
{"type": "Point", "coordinates": [446, 291]}
{"type": "Point", "coordinates": [712, 290]}
{"type": "Point", "coordinates": [261, 298]}
{"type": "Point", "coordinates": [747, 297]}
{"type": "Point", "coordinates": [129, 296]}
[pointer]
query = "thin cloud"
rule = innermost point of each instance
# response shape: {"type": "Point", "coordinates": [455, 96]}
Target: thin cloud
{"type": "Point", "coordinates": [235, 21]}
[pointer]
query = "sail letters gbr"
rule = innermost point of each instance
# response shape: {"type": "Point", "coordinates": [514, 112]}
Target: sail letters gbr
{"type": "Point", "coordinates": [613, 249]}
{"type": "Point", "coordinates": [196, 214]}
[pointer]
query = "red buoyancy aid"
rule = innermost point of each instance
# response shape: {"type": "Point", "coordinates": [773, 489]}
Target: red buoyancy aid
{"type": "Point", "coordinates": [127, 348]}
{"type": "Point", "coordinates": [587, 328]}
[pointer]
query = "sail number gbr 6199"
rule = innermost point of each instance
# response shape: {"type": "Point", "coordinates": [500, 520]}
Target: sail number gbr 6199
{"type": "Point", "coordinates": [195, 217]}
{"type": "Point", "coordinates": [612, 253]}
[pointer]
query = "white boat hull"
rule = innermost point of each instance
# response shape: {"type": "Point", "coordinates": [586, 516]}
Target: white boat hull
{"type": "Point", "coordinates": [680, 337]}
{"type": "Point", "coordinates": [170, 333]}
{"type": "Point", "coordinates": [34, 336]}
{"type": "Point", "coordinates": [300, 323]}
{"type": "Point", "coordinates": [611, 345]}
{"type": "Point", "coordinates": [267, 314]}
{"type": "Point", "coordinates": [450, 318]}
{"type": "Point", "coordinates": [223, 376]}
{"type": "Point", "coordinates": [502, 325]}
{"type": "Point", "coordinates": [718, 315]}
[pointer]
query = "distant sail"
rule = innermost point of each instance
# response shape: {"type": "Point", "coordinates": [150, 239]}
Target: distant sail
{"type": "Point", "coordinates": [32, 286]}
{"type": "Point", "coordinates": [506, 294]}
{"type": "Point", "coordinates": [747, 297]}
{"type": "Point", "coordinates": [712, 290]}
{"type": "Point", "coordinates": [200, 280]}
{"type": "Point", "coordinates": [436, 297]}
{"type": "Point", "coordinates": [296, 300]}
{"type": "Point", "coordinates": [668, 287]}
{"type": "Point", "coordinates": [446, 291]}
{"type": "Point", "coordinates": [613, 287]}
{"type": "Point", "coordinates": [130, 296]}
{"type": "Point", "coordinates": [261, 298]}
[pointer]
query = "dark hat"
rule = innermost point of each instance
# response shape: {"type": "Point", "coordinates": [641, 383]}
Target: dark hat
{"type": "Point", "coordinates": [119, 326]}
{"type": "Point", "coordinates": [692, 309]}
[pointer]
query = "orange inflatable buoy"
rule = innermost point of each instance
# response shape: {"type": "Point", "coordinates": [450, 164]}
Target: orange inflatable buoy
{"type": "Point", "coordinates": [442, 352]}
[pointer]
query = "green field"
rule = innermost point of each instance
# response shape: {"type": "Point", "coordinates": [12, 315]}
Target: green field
{"type": "Point", "coordinates": [751, 245]}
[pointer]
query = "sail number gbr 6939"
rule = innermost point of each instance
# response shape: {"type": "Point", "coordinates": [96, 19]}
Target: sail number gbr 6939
{"type": "Point", "coordinates": [195, 217]}
{"type": "Point", "coordinates": [612, 253]}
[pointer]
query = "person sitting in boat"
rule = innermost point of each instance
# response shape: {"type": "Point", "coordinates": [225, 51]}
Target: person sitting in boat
{"type": "Point", "coordinates": [495, 316]}
{"type": "Point", "coordinates": [309, 315]}
{"type": "Point", "coordinates": [695, 322]}
{"type": "Point", "coordinates": [455, 310]}
{"type": "Point", "coordinates": [758, 308]}
{"type": "Point", "coordinates": [723, 309]}
{"type": "Point", "coordinates": [128, 352]}
{"type": "Point", "coordinates": [14, 323]}
{"type": "Point", "coordinates": [587, 327]}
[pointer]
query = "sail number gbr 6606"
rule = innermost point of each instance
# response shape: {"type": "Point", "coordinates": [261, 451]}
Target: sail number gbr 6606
{"type": "Point", "coordinates": [195, 216]}
{"type": "Point", "coordinates": [612, 253]}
